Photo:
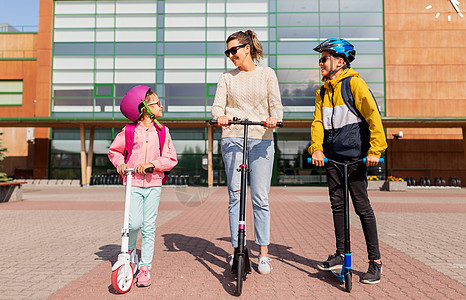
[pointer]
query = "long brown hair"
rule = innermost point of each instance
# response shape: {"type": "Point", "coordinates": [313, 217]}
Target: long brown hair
{"type": "Point", "coordinates": [249, 37]}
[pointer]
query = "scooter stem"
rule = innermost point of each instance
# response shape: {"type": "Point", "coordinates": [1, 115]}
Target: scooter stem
{"type": "Point", "coordinates": [125, 230]}
{"type": "Point", "coordinates": [242, 204]}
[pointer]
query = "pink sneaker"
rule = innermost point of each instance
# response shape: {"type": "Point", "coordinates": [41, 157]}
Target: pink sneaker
{"type": "Point", "coordinates": [143, 277]}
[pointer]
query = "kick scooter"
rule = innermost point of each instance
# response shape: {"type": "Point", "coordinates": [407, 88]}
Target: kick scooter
{"type": "Point", "coordinates": [126, 266]}
{"type": "Point", "coordinates": [241, 264]}
{"type": "Point", "coordinates": [344, 274]}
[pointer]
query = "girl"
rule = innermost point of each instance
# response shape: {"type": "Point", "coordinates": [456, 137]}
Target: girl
{"type": "Point", "coordinates": [248, 92]}
{"type": "Point", "coordinates": [142, 106]}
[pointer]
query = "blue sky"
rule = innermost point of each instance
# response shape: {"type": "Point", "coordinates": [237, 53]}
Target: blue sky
{"type": "Point", "coordinates": [19, 12]}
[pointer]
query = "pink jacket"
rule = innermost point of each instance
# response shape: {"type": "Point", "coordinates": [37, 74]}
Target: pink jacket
{"type": "Point", "coordinates": [146, 149]}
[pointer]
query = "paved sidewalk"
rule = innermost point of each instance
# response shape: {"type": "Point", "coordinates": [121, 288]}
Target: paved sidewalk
{"type": "Point", "coordinates": [62, 242]}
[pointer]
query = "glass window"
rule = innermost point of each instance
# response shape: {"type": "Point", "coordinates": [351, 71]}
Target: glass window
{"type": "Point", "coordinates": [11, 92]}
{"type": "Point", "coordinates": [298, 34]}
{"type": "Point", "coordinates": [185, 34]}
{"type": "Point", "coordinates": [74, 35]}
{"type": "Point", "coordinates": [329, 5]}
{"type": "Point", "coordinates": [104, 48]}
{"type": "Point", "coordinates": [297, 61]}
{"type": "Point", "coordinates": [368, 61]}
{"type": "Point", "coordinates": [73, 62]}
{"type": "Point", "coordinates": [185, 6]}
{"type": "Point", "coordinates": [296, 47]}
{"type": "Point", "coordinates": [76, 21]}
{"type": "Point", "coordinates": [105, 35]}
{"type": "Point", "coordinates": [328, 32]}
{"type": "Point", "coordinates": [298, 5]}
{"type": "Point", "coordinates": [74, 7]}
{"type": "Point", "coordinates": [103, 76]}
{"type": "Point", "coordinates": [362, 33]}
{"type": "Point", "coordinates": [242, 6]}
{"type": "Point", "coordinates": [185, 48]}
{"type": "Point", "coordinates": [122, 89]}
{"type": "Point", "coordinates": [136, 35]}
{"type": "Point", "coordinates": [76, 76]}
{"type": "Point", "coordinates": [360, 5]}
{"type": "Point", "coordinates": [361, 19]}
{"type": "Point", "coordinates": [184, 90]}
{"type": "Point", "coordinates": [135, 48]}
{"type": "Point", "coordinates": [293, 75]}
{"type": "Point", "coordinates": [105, 7]}
{"type": "Point", "coordinates": [184, 62]}
{"type": "Point", "coordinates": [76, 91]}
{"type": "Point", "coordinates": [185, 20]}
{"type": "Point", "coordinates": [372, 75]}
{"type": "Point", "coordinates": [330, 19]}
{"type": "Point", "coordinates": [136, 21]}
{"type": "Point", "coordinates": [298, 19]}
{"type": "Point", "coordinates": [134, 76]}
{"type": "Point", "coordinates": [247, 20]}
{"type": "Point", "coordinates": [105, 21]}
{"type": "Point", "coordinates": [104, 62]}
{"type": "Point", "coordinates": [135, 62]}
{"type": "Point", "coordinates": [136, 7]}
{"type": "Point", "coordinates": [185, 76]}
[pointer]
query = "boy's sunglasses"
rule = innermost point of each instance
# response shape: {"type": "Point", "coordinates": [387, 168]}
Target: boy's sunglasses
{"type": "Point", "coordinates": [234, 49]}
{"type": "Point", "coordinates": [323, 59]}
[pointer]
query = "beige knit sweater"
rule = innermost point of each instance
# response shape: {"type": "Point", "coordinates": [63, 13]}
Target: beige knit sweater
{"type": "Point", "coordinates": [250, 95]}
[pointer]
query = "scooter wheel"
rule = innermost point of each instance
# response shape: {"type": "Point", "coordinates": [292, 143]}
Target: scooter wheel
{"type": "Point", "coordinates": [122, 279]}
{"type": "Point", "coordinates": [348, 282]}
{"type": "Point", "coordinates": [239, 275]}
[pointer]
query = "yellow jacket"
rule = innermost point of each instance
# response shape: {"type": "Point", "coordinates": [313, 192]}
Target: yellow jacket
{"type": "Point", "coordinates": [340, 133]}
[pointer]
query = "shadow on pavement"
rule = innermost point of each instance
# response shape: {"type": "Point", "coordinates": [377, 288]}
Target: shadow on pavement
{"type": "Point", "coordinates": [284, 255]}
{"type": "Point", "coordinates": [205, 253]}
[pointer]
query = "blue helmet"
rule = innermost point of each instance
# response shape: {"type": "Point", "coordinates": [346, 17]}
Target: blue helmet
{"type": "Point", "coordinates": [337, 46]}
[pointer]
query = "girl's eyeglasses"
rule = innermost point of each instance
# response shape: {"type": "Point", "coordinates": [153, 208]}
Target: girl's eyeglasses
{"type": "Point", "coordinates": [234, 50]}
{"type": "Point", "coordinates": [323, 59]}
{"type": "Point", "coordinates": [155, 102]}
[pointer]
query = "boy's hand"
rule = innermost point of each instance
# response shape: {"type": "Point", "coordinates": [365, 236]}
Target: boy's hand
{"type": "Point", "coordinates": [318, 158]}
{"type": "Point", "coordinates": [372, 161]}
{"type": "Point", "coordinates": [141, 168]}
{"type": "Point", "coordinates": [121, 169]}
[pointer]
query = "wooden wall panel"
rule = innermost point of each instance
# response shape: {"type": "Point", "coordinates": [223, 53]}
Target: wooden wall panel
{"type": "Point", "coordinates": [425, 77]}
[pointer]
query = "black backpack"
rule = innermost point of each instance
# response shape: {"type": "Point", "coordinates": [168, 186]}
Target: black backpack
{"type": "Point", "coordinates": [348, 96]}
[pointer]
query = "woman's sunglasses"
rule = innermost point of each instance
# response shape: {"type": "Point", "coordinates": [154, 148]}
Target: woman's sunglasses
{"type": "Point", "coordinates": [234, 49]}
{"type": "Point", "coordinates": [323, 59]}
{"type": "Point", "coordinates": [155, 102]}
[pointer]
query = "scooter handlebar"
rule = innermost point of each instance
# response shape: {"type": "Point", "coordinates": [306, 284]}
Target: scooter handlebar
{"type": "Point", "coordinates": [114, 171]}
{"type": "Point", "coordinates": [309, 160]}
{"type": "Point", "coordinates": [244, 122]}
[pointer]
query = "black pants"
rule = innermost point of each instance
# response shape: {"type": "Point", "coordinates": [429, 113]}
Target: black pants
{"type": "Point", "coordinates": [357, 185]}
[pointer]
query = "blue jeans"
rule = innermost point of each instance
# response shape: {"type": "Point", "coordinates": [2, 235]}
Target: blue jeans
{"type": "Point", "coordinates": [142, 215]}
{"type": "Point", "coordinates": [260, 158]}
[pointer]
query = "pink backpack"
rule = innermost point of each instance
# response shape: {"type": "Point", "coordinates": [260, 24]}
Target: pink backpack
{"type": "Point", "coordinates": [129, 140]}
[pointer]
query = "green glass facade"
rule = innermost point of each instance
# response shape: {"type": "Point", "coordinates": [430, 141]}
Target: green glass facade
{"type": "Point", "coordinates": [103, 48]}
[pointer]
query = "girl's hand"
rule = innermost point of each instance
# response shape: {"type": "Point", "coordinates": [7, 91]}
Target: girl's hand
{"type": "Point", "coordinates": [141, 168]}
{"type": "Point", "coordinates": [271, 122]}
{"type": "Point", "coordinates": [223, 121]}
{"type": "Point", "coordinates": [121, 169]}
{"type": "Point", "coordinates": [318, 158]}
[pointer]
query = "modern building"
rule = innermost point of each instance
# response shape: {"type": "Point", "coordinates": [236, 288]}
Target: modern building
{"type": "Point", "coordinates": [66, 87]}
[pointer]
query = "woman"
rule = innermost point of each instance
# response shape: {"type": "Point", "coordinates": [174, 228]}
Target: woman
{"type": "Point", "coordinates": [248, 92]}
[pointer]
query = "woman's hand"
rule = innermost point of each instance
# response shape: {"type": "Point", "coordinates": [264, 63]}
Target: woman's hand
{"type": "Point", "coordinates": [271, 122]}
{"type": "Point", "coordinates": [121, 169]}
{"type": "Point", "coordinates": [318, 158]}
{"type": "Point", "coordinates": [141, 168]}
{"type": "Point", "coordinates": [223, 121]}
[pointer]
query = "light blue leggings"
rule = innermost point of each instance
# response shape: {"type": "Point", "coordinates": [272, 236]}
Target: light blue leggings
{"type": "Point", "coordinates": [142, 215]}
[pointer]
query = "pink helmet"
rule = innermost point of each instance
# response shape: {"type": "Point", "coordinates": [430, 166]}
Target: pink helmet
{"type": "Point", "coordinates": [129, 106]}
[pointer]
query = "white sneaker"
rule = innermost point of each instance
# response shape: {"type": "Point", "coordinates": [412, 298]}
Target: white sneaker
{"type": "Point", "coordinates": [230, 259]}
{"type": "Point", "coordinates": [264, 266]}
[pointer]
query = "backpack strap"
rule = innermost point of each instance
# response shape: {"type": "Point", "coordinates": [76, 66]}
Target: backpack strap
{"type": "Point", "coordinates": [348, 96]}
{"type": "Point", "coordinates": [322, 92]}
{"type": "Point", "coordinates": [129, 140]}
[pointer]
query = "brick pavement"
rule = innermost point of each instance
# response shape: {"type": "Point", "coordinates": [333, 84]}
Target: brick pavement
{"type": "Point", "coordinates": [64, 248]}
